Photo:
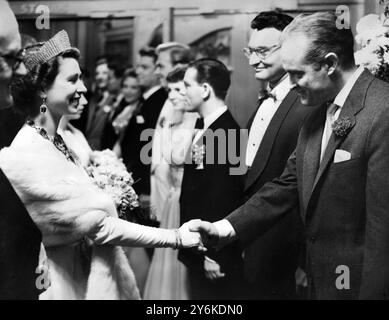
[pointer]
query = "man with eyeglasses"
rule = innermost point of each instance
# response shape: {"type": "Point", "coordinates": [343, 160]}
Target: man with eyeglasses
{"type": "Point", "coordinates": [271, 261]}
{"type": "Point", "coordinates": [10, 65]}
{"type": "Point", "coordinates": [20, 239]}
{"type": "Point", "coordinates": [10, 121]}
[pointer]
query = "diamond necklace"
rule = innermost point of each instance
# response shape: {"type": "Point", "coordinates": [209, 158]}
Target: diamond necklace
{"type": "Point", "coordinates": [57, 141]}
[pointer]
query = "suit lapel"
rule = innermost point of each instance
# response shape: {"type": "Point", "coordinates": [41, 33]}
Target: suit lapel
{"type": "Point", "coordinates": [217, 124]}
{"type": "Point", "coordinates": [264, 150]}
{"type": "Point", "coordinates": [251, 120]}
{"type": "Point", "coordinates": [312, 152]}
{"type": "Point", "coordinates": [353, 104]}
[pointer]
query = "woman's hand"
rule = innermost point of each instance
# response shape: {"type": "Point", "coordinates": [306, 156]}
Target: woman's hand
{"type": "Point", "coordinates": [189, 239]}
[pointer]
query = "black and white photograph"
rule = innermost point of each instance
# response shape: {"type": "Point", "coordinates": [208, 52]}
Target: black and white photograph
{"type": "Point", "coordinates": [218, 151]}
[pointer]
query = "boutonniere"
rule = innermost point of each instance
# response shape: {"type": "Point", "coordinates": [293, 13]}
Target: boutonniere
{"type": "Point", "coordinates": [107, 109]}
{"type": "Point", "coordinates": [198, 153]}
{"type": "Point", "coordinates": [140, 119]}
{"type": "Point", "coordinates": [341, 126]}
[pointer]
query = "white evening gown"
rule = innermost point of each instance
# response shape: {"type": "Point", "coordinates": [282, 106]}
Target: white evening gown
{"type": "Point", "coordinates": [167, 278]}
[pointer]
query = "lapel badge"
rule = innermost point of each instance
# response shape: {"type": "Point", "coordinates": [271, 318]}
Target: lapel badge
{"type": "Point", "coordinates": [140, 119]}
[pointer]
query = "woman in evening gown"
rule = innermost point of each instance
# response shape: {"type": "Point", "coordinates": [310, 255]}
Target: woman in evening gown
{"type": "Point", "coordinates": [167, 277]}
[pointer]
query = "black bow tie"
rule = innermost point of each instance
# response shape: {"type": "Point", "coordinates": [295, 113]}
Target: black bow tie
{"type": "Point", "coordinates": [199, 123]}
{"type": "Point", "coordinates": [267, 95]}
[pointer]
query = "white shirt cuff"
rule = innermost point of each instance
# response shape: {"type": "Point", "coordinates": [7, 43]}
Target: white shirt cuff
{"type": "Point", "coordinates": [226, 232]}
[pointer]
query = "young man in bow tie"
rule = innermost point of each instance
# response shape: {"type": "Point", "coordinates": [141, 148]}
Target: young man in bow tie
{"type": "Point", "coordinates": [338, 174]}
{"type": "Point", "coordinates": [272, 260]}
{"type": "Point", "coordinates": [213, 180]}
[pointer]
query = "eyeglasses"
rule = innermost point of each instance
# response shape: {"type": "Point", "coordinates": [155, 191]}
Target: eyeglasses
{"type": "Point", "coordinates": [14, 59]}
{"type": "Point", "coordinates": [261, 53]}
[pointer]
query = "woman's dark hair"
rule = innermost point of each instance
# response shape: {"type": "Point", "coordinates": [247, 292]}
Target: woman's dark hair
{"type": "Point", "coordinates": [26, 89]}
{"type": "Point", "coordinates": [176, 75]}
{"type": "Point", "coordinates": [128, 73]}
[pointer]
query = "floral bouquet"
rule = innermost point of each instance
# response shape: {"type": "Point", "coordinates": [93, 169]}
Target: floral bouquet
{"type": "Point", "coordinates": [373, 37]}
{"type": "Point", "coordinates": [110, 174]}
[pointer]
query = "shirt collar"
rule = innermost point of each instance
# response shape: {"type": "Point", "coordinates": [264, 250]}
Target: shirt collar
{"type": "Point", "coordinates": [150, 91]}
{"type": "Point", "coordinates": [340, 99]}
{"type": "Point", "coordinates": [281, 89]}
{"type": "Point", "coordinates": [211, 118]}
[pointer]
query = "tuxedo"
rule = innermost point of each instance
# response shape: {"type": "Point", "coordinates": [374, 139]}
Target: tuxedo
{"type": "Point", "coordinates": [144, 118]}
{"type": "Point", "coordinates": [271, 261]}
{"type": "Point", "coordinates": [20, 242]}
{"type": "Point", "coordinates": [344, 205]}
{"type": "Point", "coordinates": [209, 193]}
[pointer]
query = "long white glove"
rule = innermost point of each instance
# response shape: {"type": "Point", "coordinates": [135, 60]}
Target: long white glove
{"type": "Point", "coordinates": [116, 231]}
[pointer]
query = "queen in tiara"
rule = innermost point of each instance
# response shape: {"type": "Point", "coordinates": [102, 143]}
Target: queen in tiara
{"type": "Point", "coordinates": [80, 229]}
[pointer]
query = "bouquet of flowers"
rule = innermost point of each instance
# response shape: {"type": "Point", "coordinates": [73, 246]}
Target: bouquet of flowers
{"type": "Point", "coordinates": [110, 174]}
{"type": "Point", "coordinates": [373, 37]}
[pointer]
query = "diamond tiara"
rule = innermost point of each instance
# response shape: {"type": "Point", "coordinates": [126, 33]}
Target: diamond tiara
{"type": "Point", "coordinates": [51, 48]}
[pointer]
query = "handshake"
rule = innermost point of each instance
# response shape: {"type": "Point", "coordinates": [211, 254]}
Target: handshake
{"type": "Point", "coordinates": [199, 234]}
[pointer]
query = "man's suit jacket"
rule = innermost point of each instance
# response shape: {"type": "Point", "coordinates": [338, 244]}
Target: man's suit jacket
{"type": "Point", "coordinates": [210, 193]}
{"type": "Point", "coordinates": [344, 205]}
{"type": "Point", "coordinates": [271, 261]}
{"type": "Point", "coordinates": [10, 124]}
{"type": "Point", "coordinates": [109, 136]}
{"type": "Point", "coordinates": [99, 109]}
{"type": "Point", "coordinates": [20, 242]}
{"type": "Point", "coordinates": [131, 145]}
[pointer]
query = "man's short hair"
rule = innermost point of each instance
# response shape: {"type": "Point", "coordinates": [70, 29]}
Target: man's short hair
{"type": "Point", "coordinates": [148, 52]}
{"type": "Point", "coordinates": [213, 72]}
{"type": "Point", "coordinates": [179, 53]}
{"type": "Point", "coordinates": [271, 19]}
{"type": "Point", "coordinates": [321, 29]}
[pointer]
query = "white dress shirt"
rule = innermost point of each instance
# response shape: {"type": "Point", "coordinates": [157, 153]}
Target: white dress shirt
{"type": "Point", "coordinates": [147, 94]}
{"type": "Point", "coordinates": [339, 101]}
{"type": "Point", "coordinates": [224, 227]}
{"type": "Point", "coordinates": [263, 117]}
{"type": "Point", "coordinates": [208, 120]}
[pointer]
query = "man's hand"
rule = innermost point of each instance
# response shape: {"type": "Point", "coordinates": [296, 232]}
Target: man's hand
{"type": "Point", "coordinates": [209, 233]}
{"type": "Point", "coordinates": [212, 269]}
{"type": "Point", "coordinates": [189, 239]}
{"type": "Point", "coordinates": [301, 279]}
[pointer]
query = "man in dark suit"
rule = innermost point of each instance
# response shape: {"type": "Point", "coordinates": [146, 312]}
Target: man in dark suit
{"type": "Point", "coordinates": [99, 107]}
{"type": "Point", "coordinates": [143, 120]}
{"type": "Point", "coordinates": [338, 174]}
{"type": "Point", "coordinates": [272, 260]}
{"type": "Point", "coordinates": [19, 237]}
{"type": "Point", "coordinates": [10, 124]}
{"type": "Point", "coordinates": [210, 188]}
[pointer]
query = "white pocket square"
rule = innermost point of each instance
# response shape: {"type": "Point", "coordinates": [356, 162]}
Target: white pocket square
{"type": "Point", "coordinates": [341, 155]}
